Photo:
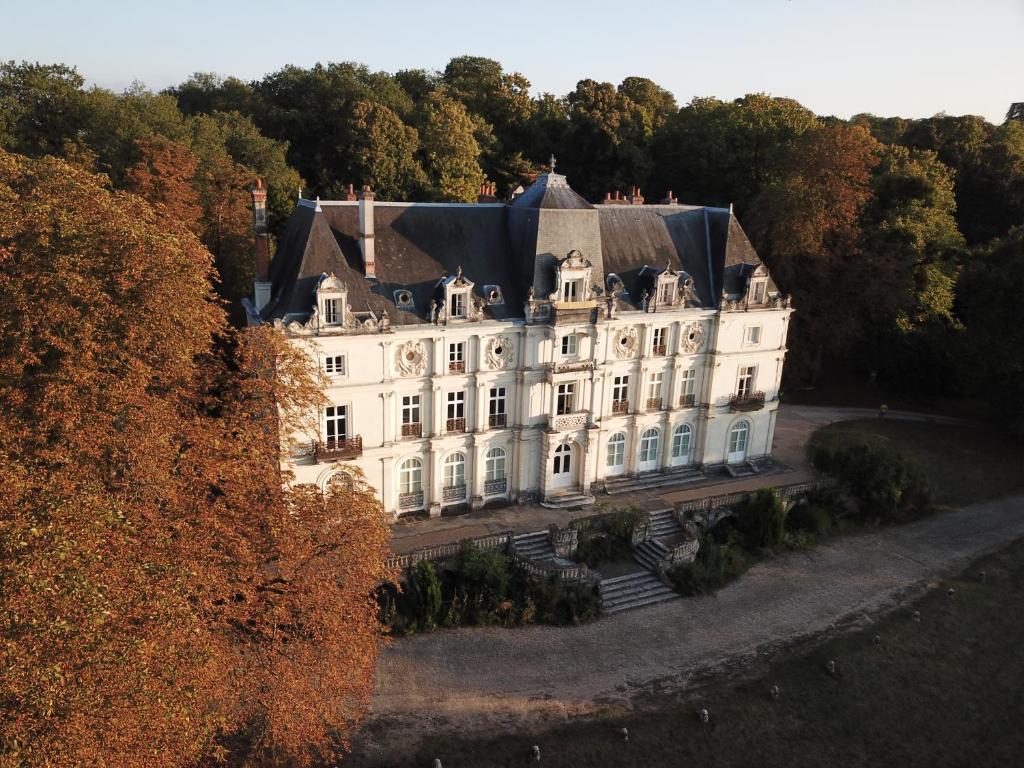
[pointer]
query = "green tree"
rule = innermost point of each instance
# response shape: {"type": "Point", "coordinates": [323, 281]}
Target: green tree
{"type": "Point", "coordinates": [382, 152]}
{"type": "Point", "coordinates": [40, 107]}
{"type": "Point", "coordinates": [450, 150]}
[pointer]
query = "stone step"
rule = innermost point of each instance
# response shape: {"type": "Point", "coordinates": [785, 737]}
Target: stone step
{"type": "Point", "coordinates": [653, 480]}
{"type": "Point", "coordinates": [632, 591]}
{"type": "Point", "coordinates": [534, 546]}
{"type": "Point", "coordinates": [568, 501]}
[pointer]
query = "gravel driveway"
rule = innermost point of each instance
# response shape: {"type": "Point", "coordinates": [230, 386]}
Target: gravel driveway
{"type": "Point", "coordinates": [481, 678]}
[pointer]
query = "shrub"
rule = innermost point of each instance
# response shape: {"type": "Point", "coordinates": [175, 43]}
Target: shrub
{"type": "Point", "coordinates": [808, 517]}
{"type": "Point", "coordinates": [601, 548]}
{"type": "Point", "coordinates": [423, 595]}
{"type": "Point", "coordinates": [715, 566]}
{"type": "Point", "coordinates": [608, 537]}
{"type": "Point", "coordinates": [762, 519]}
{"type": "Point", "coordinates": [885, 485]}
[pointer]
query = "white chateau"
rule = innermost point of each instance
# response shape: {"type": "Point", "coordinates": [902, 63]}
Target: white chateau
{"type": "Point", "coordinates": [534, 350]}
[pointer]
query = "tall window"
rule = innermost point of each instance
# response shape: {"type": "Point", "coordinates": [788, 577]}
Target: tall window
{"type": "Point", "coordinates": [617, 450]}
{"type": "Point", "coordinates": [411, 416]}
{"type": "Point", "coordinates": [336, 423]}
{"type": "Point", "coordinates": [681, 442]}
{"type": "Point", "coordinates": [688, 380]}
{"type": "Point", "coordinates": [496, 407]}
{"type": "Point", "coordinates": [458, 305]}
{"type": "Point", "coordinates": [649, 441]}
{"type": "Point", "coordinates": [654, 384]}
{"type": "Point", "coordinates": [334, 365]}
{"type": "Point", "coordinates": [569, 344]}
{"type": "Point", "coordinates": [410, 476]}
{"type": "Point", "coordinates": [572, 290]}
{"type": "Point", "coordinates": [659, 347]}
{"type": "Point", "coordinates": [668, 292]}
{"type": "Point", "coordinates": [745, 382]}
{"type": "Point", "coordinates": [566, 398]}
{"type": "Point", "coordinates": [758, 292]}
{"type": "Point", "coordinates": [457, 357]}
{"type": "Point", "coordinates": [332, 311]}
{"type": "Point", "coordinates": [455, 471]}
{"type": "Point", "coordinates": [456, 405]}
{"type": "Point", "coordinates": [620, 394]}
{"type": "Point", "coordinates": [495, 465]}
{"type": "Point", "coordinates": [738, 441]}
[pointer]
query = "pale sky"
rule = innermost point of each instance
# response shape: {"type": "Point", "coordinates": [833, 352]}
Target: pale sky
{"type": "Point", "coordinates": [898, 57]}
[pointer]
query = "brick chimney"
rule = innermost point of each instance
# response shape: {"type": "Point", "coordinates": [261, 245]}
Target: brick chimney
{"type": "Point", "coordinates": [350, 194]}
{"type": "Point", "coordinates": [635, 198]}
{"type": "Point", "coordinates": [366, 232]}
{"type": "Point", "coordinates": [669, 199]}
{"type": "Point", "coordinates": [488, 193]}
{"type": "Point", "coordinates": [261, 282]}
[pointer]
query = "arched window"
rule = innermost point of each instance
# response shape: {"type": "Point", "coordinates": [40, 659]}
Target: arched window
{"type": "Point", "coordinates": [739, 436]}
{"type": "Point", "coordinates": [617, 450]}
{"type": "Point", "coordinates": [495, 464]}
{"type": "Point", "coordinates": [649, 441]}
{"type": "Point", "coordinates": [455, 471]}
{"type": "Point", "coordinates": [563, 456]}
{"type": "Point", "coordinates": [410, 476]}
{"type": "Point", "coordinates": [681, 443]}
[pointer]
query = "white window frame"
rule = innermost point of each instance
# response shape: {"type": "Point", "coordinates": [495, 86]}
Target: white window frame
{"type": "Point", "coordinates": [659, 339]}
{"type": "Point", "coordinates": [569, 345]}
{"type": "Point", "coordinates": [335, 366]}
{"type": "Point", "coordinates": [456, 402]}
{"type": "Point", "coordinates": [411, 406]}
{"type": "Point", "coordinates": [688, 385]}
{"type": "Point", "coordinates": [650, 444]}
{"type": "Point", "coordinates": [333, 309]}
{"type": "Point", "coordinates": [758, 291]}
{"type": "Point", "coordinates": [746, 378]}
{"type": "Point", "coordinates": [336, 425]}
{"type": "Point", "coordinates": [751, 335]}
{"type": "Point", "coordinates": [566, 398]}
{"type": "Point", "coordinates": [680, 447]}
{"type": "Point", "coordinates": [495, 464]}
{"type": "Point", "coordinates": [572, 289]}
{"type": "Point", "coordinates": [454, 470]}
{"type": "Point", "coordinates": [655, 385]}
{"type": "Point", "coordinates": [616, 450]}
{"type": "Point", "coordinates": [457, 304]}
{"type": "Point", "coordinates": [410, 476]}
{"type": "Point", "coordinates": [620, 388]}
{"type": "Point", "coordinates": [496, 401]}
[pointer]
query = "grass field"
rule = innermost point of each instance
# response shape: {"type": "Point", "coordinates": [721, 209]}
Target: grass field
{"type": "Point", "coordinates": [964, 463]}
{"type": "Point", "coordinates": [947, 691]}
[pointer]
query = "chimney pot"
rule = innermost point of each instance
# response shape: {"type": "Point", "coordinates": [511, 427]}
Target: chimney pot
{"type": "Point", "coordinates": [366, 243]}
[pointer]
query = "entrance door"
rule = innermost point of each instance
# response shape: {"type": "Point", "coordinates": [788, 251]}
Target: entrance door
{"type": "Point", "coordinates": [738, 443]}
{"type": "Point", "coordinates": [649, 445]}
{"type": "Point", "coordinates": [561, 476]}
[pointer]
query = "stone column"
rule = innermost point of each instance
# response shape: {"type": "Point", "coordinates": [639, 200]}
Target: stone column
{"type": "Point", "coordinates": [388, 403]}
{"type": "Point", "coordinates": [387, 486]}
{"type": "Point", "coordinates": [481, 408]}
{"type": "Point", "coordinates": [437, 411]}
{"type": "Point", "coordinates": [388, 359]}
{"type": "Point", "coordinates": [433, 481]}
{"type": "Point", "coordinates": [475, 480]}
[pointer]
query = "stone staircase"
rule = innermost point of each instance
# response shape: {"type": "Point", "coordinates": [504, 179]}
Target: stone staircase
{"type": "Point", "coordinates": [743, 469]}
{"type": "Point", "coordinates": [632, 591]}
{"type": "Point", "coordinates": [569, 500]}
{"type": "Point", "coordinates": [620, 485]}
{"type": "Point", "coordinates": [664, 525]}
{"type": "Point", "coordinates": [534, 546]}
{"type": "Point", "coordinates": [650, 553]}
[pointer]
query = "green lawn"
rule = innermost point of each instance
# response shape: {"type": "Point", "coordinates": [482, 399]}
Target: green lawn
{"type": "Point", "coordinates": [948, 691]}
{"type": "Point", "coordinates": [964, 463]}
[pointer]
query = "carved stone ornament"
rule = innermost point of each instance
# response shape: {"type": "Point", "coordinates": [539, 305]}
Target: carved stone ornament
{"type": "Point", "coordinates": [693, 337]}
{"type": "Point", "coordinates": [411, 358]}
{"type": "Point", "coordinates": [625, 342]}
{"type": "Point", "coordinates": [499, 352]}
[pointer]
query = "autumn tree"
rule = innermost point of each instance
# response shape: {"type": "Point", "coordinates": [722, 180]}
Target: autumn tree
{"type": "Point", "coordinates": [164, 176]}
{"type": "Point", "coordinates": [450, 151]}
{"type": "Point", "coordinates": [167, 596]}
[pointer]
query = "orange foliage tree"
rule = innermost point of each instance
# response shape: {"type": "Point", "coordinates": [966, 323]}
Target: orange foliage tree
{"type": "Point", "coordinates": [164, 176]}
{"type": "Point", "coordinates": [167, 596]}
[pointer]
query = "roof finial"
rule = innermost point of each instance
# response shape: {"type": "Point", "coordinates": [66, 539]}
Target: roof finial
{"type": "Point", "coordinates": [552, 162]}
{"type": "Point", "coordinates": [300, 193]}
{"type": "Point", "coordinates": [458, 273]}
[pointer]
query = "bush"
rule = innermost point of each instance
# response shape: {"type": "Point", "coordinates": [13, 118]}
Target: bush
{"type": "Point", "coordinates": [480, 588]}
{"type": "Point", "coordinates": [601, 548]}
{"type": "Point", "coordinates": [762, 519]}
{"type": "Point", "coordinates": [885, 485]}
{"type": "Point", "coordinates": [608, 537]}
{"type": "Point", "coordinates": [715, 566]}
{"type": "Point", "coordinates": [811, 518]}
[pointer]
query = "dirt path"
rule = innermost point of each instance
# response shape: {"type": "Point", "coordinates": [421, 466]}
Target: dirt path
{"type": "Point", "coordinates": [482, 678]}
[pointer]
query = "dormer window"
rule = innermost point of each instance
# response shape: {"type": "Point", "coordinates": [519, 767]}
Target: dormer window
{"type": "Point", "coordinates": [493, 294]}
{"type": "Point", "coordinates": [572, 279]}
{"type": "Point", "coordinates": [457, 305]}
{"type": "Point", "coordinates": [404, 300]}
{"type": "Point", "coordinates": [572, 290]}
{"type": "Point", "coordinates": [757, 291]}
{"type": "Point", "coordinates": [667, 287]}
{"type": "Point", "coordinates": [331, 300]}
{"type": "Point", "coordinates": [457, 302]}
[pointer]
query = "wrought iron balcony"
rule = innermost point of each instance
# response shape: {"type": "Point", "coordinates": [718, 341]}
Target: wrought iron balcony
{"type": "Point", "coordinates": [688, 401]}
{"type": "Point", "coordinates": [620, 406]}
{"type": "Point", "coordinates": [410, 500]}
{"type": "Point", "coordinates": [492, 487]}
{"type": "Point", "coordinates": [412, 429]}
{"type": "Point", "coordinates": [653, 403]}
{"type": "Point", "coordinates": [497, 420]}
{"type": "Point", "coordinates": [456, 366]}
{"type": "Point", "coordinates": [746, 401]}
{"type": "Point", "coordinates": [455, 425]}
{"type": "Point", "coordinates": [337, 449]}
{"type": "Point", "coordinates": [453, 493]}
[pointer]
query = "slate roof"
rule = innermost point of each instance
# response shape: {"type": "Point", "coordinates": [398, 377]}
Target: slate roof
{"type": "Point", "coordinates": [514, 246]}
